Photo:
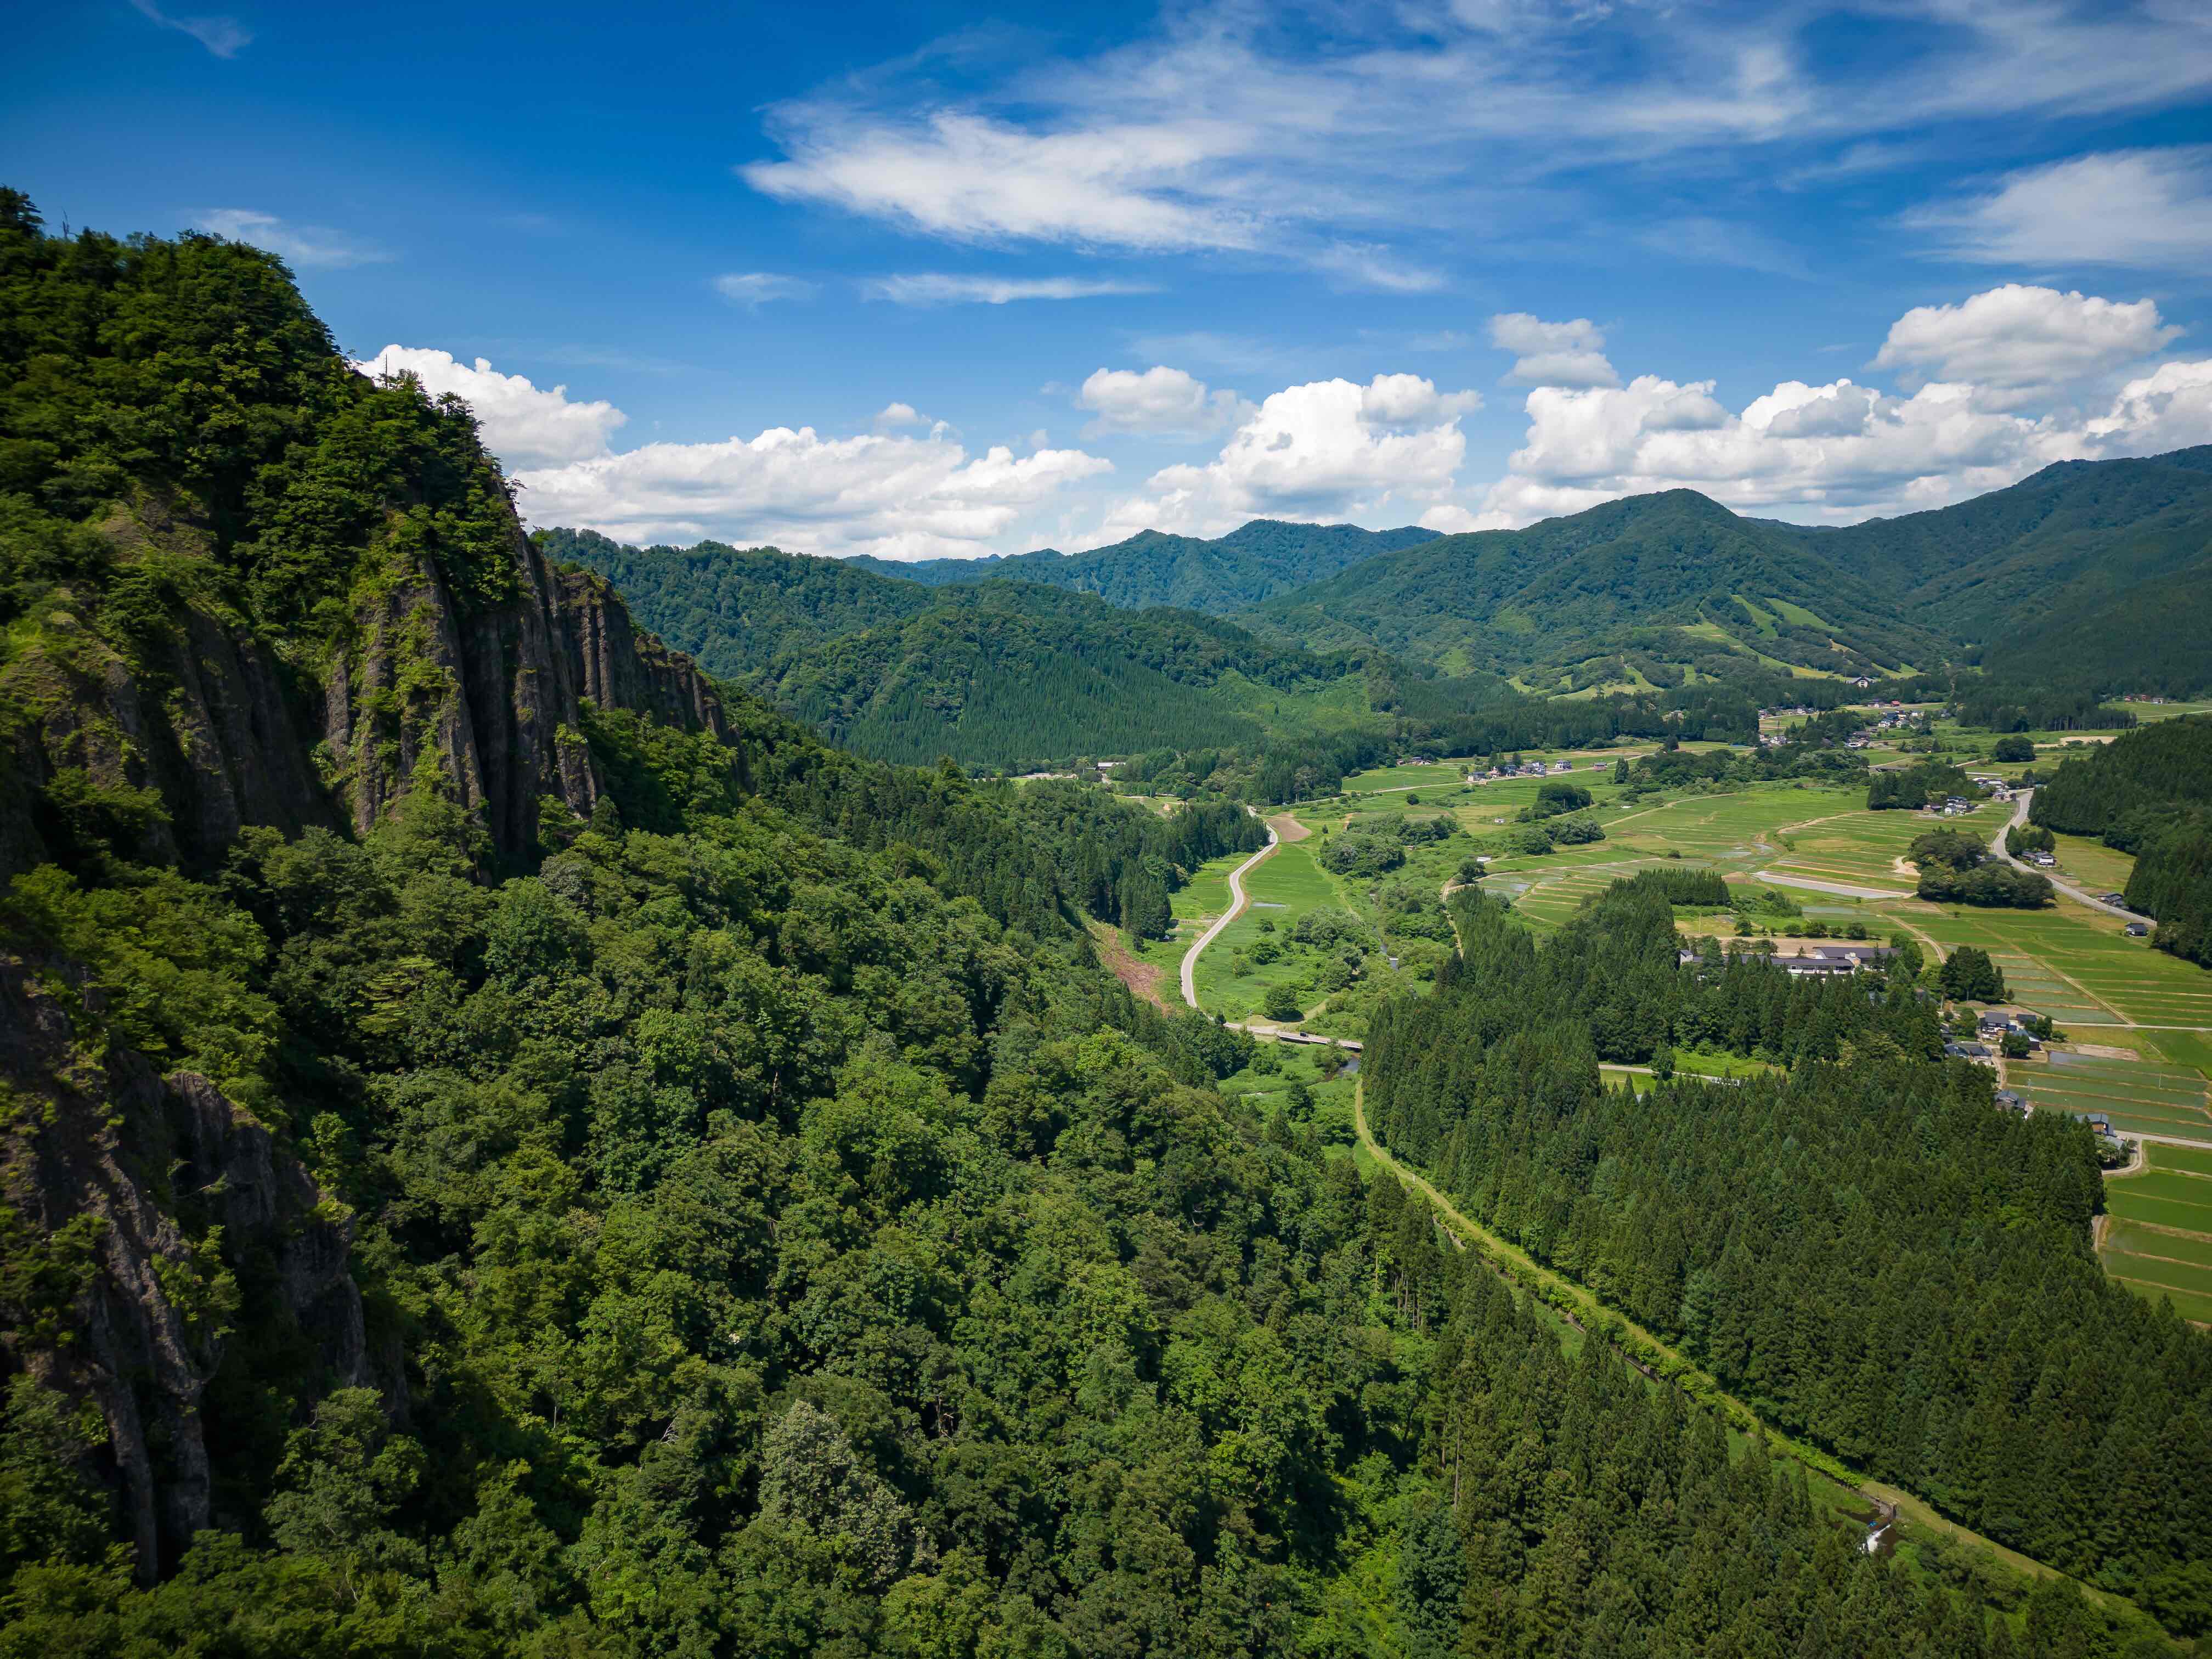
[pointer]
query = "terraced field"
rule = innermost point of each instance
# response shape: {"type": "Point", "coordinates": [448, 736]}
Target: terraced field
{"type": "Point", "coordinates": [2079, 963]}
{"type": "Point", "coordinates": [1862, 848]}
{"type": "Point", "coordinates": [2140, 1096]}
{"type": "Point", "coordinates": [2158, 1240]}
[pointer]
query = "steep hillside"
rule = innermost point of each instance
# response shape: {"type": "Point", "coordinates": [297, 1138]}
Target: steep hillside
{"type": "Point", "coordinates": [244, 585]}
{"type": "Point", "coordinates": [1661, 581]}
{"type": "Point", "coordinates": [738, 609]}
{"type": "Point", "coordinates": [1229, 573]}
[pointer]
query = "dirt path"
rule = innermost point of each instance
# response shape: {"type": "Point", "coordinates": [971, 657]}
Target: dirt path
{"type": "Point", "coordinates": [1143, 978]}
{"type": "Point", "coordinates": [1838, 887]}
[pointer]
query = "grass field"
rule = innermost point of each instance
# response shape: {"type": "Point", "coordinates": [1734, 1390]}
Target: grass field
{"type": "Point", "coordinates": [2090, 864]}
{"type": "Point", "coordinates": [2159, 1239]}
{"type": "Point", "coordinates": [1282, 888]}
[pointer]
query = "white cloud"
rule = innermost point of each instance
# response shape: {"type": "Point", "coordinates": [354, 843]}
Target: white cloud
{"type": "Point", "coordinates": [1553, 353]}
{"type": "Point", "coordinates": [1435, 124]}
{"type": "Point", "coordinates": [897, 497]}
{"type": "Point", "coordinates": [299, 244]}
{"type": "Point", "coordinates": [226, 37]}
{"type": "Point", "coordinates": [2017, 339]}
{"type": "Point", "coordinates": [1328, 449]}
{"type": "Point", "coordinates": [936, 288]}
{"type": "Point", "coordinates": [892, 417]}
{"type": "Point", "coordinates": [2146, 208]}
{"type": "Point", "coordinates": [755, 288]}
{"type": "Point", "coordinates": [1366, 265]}
{"type": "Point", "coordinates": [524, 425]}
{"type": "Point", "coordinates": [1832, 454]}
{"type": "Point", "coordinates": [1159, 400]}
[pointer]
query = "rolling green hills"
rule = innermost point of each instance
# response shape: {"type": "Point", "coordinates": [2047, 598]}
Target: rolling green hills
{"type": "Point", "coordinates": [1227, 574]}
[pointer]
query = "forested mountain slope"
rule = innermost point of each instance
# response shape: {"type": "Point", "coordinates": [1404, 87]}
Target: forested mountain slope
{"type": "Point", "coordinates": [723, 1211]}
{"type": "Point", "coordinates": [1011, 671]}
{"type": "Point", "coordinates": [737, 609]}
{"type": "Point", "coordinates": [2149, 791]}
{"type": "Point", "coordinates": [1219, 576]}
{"type": "Point", "coordinates": [1662, 580]}
{"type": "Point", "coordinates": [2074, 537]}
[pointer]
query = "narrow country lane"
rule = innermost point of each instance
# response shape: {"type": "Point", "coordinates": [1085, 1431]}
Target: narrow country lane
{"type": "Point", "coordinates": [1236, 906]}
{"type": "Point", "coordinates": [1998, 847]}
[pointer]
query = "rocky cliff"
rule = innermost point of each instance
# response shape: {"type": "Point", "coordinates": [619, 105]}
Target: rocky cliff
{"type": "Point", "coordinates": [136, 1207]}
{"type": "Point", "coordinates": [165, 744]}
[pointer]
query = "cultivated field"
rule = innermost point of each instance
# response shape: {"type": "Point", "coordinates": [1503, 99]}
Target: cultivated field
{"type": "Point", "coordinates": [2158, 1240]}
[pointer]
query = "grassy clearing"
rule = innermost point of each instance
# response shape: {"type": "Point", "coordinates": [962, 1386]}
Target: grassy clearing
{"type": "Point", "coordinates": [2091, 864]}
{"type": "Point", "coordinates": [1863, 848]}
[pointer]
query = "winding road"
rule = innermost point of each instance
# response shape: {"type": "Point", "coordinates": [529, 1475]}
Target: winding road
{"type": "Point", "coordinates": [1998, 847]}
{"type": "Point", "coordinates": [1237, 903]}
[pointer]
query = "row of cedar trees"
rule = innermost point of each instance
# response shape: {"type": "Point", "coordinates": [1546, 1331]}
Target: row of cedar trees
{"type": "Point", "coordinates": [1869, 1252]}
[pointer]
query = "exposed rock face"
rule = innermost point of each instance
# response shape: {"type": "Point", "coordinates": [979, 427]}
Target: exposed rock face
{"type": "Point", "coordinates": [123, 1153]}
{"type": "Point", "coordinates": [486, 701]}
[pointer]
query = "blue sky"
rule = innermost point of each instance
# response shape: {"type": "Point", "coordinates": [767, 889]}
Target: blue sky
{"type": "Point", "coordinates": [927, 279]}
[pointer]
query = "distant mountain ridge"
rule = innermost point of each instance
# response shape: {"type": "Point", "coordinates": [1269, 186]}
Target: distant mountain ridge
{"type": "Point", "coordinates": [1660, 582]}
{"type": "Point", "coordinates": [1219, 576]}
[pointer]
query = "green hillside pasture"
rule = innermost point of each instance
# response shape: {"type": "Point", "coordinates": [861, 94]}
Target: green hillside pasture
{"type": "Point", "coordinates": [1204, 896]}
{"type": "Point", "coordinates": [1283, 888]}
{"type": "Point", "coordinates": [1730, 828]}
{"type": "Point", "coordinates": [1862, 848]}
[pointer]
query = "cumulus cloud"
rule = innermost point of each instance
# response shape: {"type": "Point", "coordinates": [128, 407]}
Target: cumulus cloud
{"type": "Point", "coordinates": [2146, 208]}
{"type": "Point", "coordinates": [1159, 400]}
{"type": "Point", "coordinates": [298, 245]}
{"type": "Point", "coordinates": [936, 288]}
{"type": "Point", "coordinates": [1328, 449]}
{"type": "Point", "coordinates": [893, 415]}
{"type": "Point", "coordinates": [524, 425]}
{"type": "Point", "coordinates": [1570, 353]}
{"type": "Point", "coordinates": [2018, 339]}
{"type": "Point", "coordinates": [1834, 453]}
{"type": "Point", "coordinates": [755, 288]}
{"type": "Point", "coordinates": [896, 497]}
{"type": "Point", "coordinates": [226, 37]}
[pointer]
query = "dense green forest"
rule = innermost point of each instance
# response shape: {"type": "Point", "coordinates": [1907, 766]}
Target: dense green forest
{"type": "Point", "coordinates": [511, 1148]}
{"type": "Point", "coordinates": [1865, 1248]}
{"type": "Point", "coordinates": [2149, 793]}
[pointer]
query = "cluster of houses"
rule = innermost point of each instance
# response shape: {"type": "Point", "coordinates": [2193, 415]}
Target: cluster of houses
{"type": "Point", "coordinates": [1527, 769]}
{"type": "Point", "coordinates": [1831, 961]}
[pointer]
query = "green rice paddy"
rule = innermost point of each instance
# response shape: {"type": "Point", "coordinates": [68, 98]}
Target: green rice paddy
{"type": "Point", "coordinates": [2159, 1239]}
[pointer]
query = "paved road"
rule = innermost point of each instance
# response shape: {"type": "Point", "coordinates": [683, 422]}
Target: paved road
{"type": "Point", "coordinates": [1843, 888]}
{"type": "Point", "coordinates": [1235, 905]}
{"type": "Point", "coordinates": [1998, 847]}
